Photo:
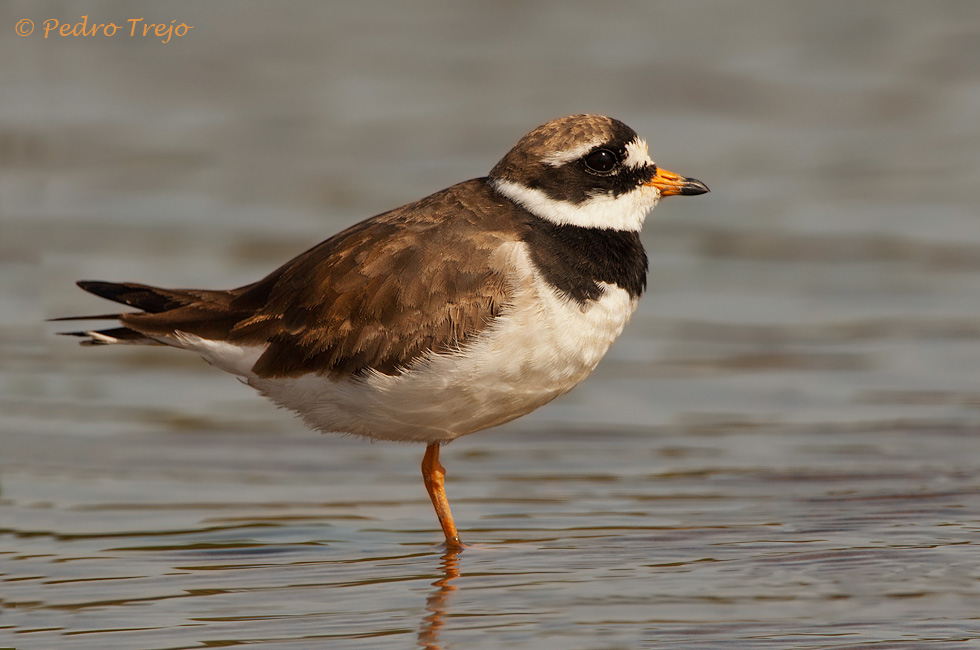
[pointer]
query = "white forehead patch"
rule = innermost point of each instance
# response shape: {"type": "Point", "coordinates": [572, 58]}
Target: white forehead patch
{"type": "Point", "coordinates": [637, 154]}
{"type": "Point", "coordinates": [559, 158]}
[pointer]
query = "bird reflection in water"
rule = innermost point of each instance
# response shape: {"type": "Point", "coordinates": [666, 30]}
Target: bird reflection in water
{"type": "Point", "coordinates": [436, 603]}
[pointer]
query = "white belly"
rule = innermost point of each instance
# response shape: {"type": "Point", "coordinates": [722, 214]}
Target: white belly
{"type": "Point", "coordinates": [541, 347]}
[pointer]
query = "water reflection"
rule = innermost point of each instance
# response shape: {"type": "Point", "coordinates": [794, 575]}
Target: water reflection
{"type": "Point", "coordinates": [438, 602]}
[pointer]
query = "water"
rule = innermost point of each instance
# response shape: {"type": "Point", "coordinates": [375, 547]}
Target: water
{"type": "Point", "coordinates": [781, 451]}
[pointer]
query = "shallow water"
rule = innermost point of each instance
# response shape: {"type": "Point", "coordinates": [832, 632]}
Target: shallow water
{"type": "Point", "coordinates": [781, 451]}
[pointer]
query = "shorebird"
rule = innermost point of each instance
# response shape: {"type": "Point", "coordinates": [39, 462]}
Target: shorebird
{"type": "Point", "coordinates": [450, 315]}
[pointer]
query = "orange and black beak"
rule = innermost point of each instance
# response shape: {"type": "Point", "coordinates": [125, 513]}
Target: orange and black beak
{"type": "Point", "coordinates": [670, 184]}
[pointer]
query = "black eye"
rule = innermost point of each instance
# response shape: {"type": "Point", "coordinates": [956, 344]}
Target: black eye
{"type": "Point", "coordinates": [601, 161]}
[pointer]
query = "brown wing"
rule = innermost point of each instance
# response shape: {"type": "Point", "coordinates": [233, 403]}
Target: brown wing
{"type": "Point", "coordinates": [376, 296]}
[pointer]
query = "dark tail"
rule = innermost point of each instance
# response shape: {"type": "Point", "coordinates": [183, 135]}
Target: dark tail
{"type": "Point", "coordinates": [151, 300]}
{"type": "Point", "coordinates": [162, 313]}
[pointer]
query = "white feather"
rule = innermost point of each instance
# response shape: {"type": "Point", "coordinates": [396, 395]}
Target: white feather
{"type": "Point", "coordinates": [236, 359]}
{"type": "Point", "coordinates": [637, 154]}
{"type": "Point", "coordinates": [625, 212]}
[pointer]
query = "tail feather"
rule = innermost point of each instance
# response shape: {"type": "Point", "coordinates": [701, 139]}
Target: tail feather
{"type": "Point", "coordinates": [112, 336]}
{"type": "Point", "coordinates": [152, 300]}
{"type": "Point", "coordinates": [98, 317]}
{"type": "Point", "coordinates": [163, 313]}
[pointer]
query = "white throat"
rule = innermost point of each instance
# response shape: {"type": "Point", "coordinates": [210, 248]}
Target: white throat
{"type": "Point", "coordinates": [626, 212]}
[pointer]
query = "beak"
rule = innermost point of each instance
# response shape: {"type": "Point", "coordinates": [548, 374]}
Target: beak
{"type": "Point", "coordinates": [670, 184]}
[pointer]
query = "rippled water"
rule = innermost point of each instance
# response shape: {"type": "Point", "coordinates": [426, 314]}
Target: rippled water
{"type": "Point", "coordinates": [781, 451]}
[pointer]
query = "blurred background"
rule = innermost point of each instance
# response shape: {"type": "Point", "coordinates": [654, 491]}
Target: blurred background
{"type": "Point", "coordinates": [811, 330]}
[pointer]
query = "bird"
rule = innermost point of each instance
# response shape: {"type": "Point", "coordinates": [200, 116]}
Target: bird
{"type": "Point", "coordinates": [453, 314]}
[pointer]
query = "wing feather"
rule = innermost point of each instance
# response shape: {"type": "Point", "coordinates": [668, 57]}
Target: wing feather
{"type": "Point", "coordinates": [376, 296]}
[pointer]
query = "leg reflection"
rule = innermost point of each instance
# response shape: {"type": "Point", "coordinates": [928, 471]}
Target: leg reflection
{"type": "Point", "coordinates": [436, 603]}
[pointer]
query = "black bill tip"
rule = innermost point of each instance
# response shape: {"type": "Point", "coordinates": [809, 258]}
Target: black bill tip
{"type": "Point", "coordinates": [693, 187]}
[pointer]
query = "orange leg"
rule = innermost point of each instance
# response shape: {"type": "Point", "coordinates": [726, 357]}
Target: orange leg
{"type": "Point", "coordinates": [434, 476]}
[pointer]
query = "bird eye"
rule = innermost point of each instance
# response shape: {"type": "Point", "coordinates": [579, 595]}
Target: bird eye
{"type": "Point", "coordinates": [601, 161]}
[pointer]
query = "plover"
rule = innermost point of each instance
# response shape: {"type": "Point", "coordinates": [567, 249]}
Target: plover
{"type": "Point", "coordinates": [443, 317]}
